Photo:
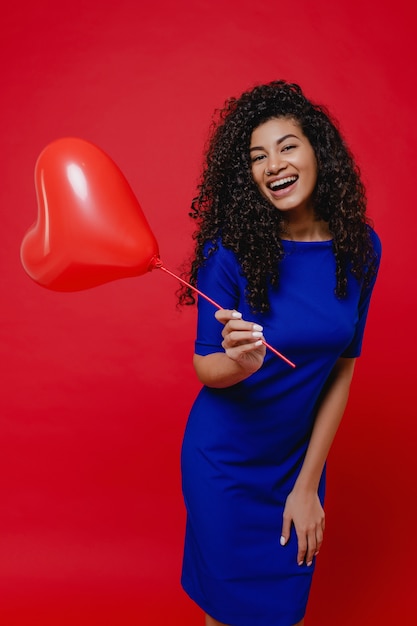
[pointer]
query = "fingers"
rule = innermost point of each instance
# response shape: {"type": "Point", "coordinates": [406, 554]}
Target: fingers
{"type": "Point", "coordinates": [238, 333]}
{"type": "Point", "coordinates": [302, 548]}
{"type": "Point", "coordinates": [309, 532]}
{"type": "Point", "coordinates": [233, 323]}
{"type": "Point", "coordinates": [286, 529]}
{"type": "Point", "coordinates": [309, 545]}
{"type": "Point", "coordinates": [319, 538]}
{"type": "Point", "coordinates": [224, 315]}
{"type": "Point", "coordinates": [245, 333]}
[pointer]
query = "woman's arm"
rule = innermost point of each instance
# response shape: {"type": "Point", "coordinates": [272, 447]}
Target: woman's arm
{"type": "Point", "coordinates": [303, 507]}
{"type": "Point", "coordinates": [243, 353]}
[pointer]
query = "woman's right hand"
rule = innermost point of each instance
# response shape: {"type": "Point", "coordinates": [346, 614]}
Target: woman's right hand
{"type": "Point", "coordinates": [242, 341]}
{"type": "Point", "coordinates": [243, 355]}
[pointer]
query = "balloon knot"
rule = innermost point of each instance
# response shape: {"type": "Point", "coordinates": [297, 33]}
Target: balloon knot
{"type": "Point", "coordinates": [155, 263]}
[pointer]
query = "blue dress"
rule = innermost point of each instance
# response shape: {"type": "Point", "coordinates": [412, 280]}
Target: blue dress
{"type": "Point", "coordinates": [244, 445]}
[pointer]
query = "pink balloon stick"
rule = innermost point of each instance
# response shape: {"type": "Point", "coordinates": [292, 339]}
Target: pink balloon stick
{"type": "Point", "coordinates": [159, 266]}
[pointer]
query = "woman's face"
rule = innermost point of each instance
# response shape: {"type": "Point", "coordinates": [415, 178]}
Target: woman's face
{"type": "Point", "coordinates": [284, 165]}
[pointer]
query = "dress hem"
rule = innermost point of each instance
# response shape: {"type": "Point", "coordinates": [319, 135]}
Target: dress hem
{"type": "Point", "coordinates": [239, 620]}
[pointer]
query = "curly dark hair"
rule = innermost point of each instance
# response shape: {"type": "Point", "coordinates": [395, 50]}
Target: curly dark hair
{"type": "Point", "coordinates": [230, 207]}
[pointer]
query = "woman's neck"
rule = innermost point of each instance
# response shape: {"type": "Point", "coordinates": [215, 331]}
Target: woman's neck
{"type": "Point", "coordinates": [306, 229]}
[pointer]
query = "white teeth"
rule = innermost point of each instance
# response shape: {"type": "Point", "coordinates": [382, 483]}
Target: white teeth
{"type": "Point", "coordinates": [283, 181]}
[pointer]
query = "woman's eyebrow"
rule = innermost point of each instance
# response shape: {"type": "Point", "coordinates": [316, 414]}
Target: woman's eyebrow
{"type": "Point", "coordinates": [278, 142]}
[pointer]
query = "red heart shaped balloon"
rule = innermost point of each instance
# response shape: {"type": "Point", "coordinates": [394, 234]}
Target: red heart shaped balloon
{"type": "Point", "coordinates": [90, 228]}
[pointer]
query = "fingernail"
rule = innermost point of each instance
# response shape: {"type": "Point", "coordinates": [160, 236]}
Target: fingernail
{"type": "Point", "coordinates": [236, 314]}
{"type": "Point", "coordinates": [283, 541]}
{"type": "Point", "coordinates": [309, 563]}
{"type": "Point", "coordinates": [300, 562]}
{"type": "Point", "coordinates": [258, 343]}
{"type": "Point", "coordinates": [257, 327]}
{"type": "Point", "coordinates": [257, 334]}
{"type": "Point", "coordinates": [316, 553]}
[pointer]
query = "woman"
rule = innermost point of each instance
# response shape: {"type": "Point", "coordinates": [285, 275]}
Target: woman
{"type": "Point", "coordinates": [284, 245]}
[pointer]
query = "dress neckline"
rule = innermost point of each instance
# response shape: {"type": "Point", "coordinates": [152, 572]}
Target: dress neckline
{"type": "Point", "coordinates": [306, 243]}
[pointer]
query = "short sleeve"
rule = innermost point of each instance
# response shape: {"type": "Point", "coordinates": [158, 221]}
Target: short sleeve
{"type": "Point", "coordinates": [219, 279]}
{"type": "Point", "coordinates": [355, 347]}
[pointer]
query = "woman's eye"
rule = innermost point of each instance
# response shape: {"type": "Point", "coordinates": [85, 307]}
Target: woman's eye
{"type": "Point", "coordinates": [258, 157]}
{"type": "Point", "coordinates": [286, 148]}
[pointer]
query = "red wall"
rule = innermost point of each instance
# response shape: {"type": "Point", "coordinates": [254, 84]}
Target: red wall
{"type": "Point", "coordinates": [96, 385]}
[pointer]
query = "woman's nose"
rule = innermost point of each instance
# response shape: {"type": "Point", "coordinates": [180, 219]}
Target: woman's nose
{"type": "Point", "coordinates": [274, 164]}
{"type": "Point", "coordinates": [271, 168]}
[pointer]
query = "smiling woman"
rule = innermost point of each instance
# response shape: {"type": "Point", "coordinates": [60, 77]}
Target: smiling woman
{"type": "Point", "coordinates": [284, 167]}
{"type": "Point", "coordinates": [283, 242]}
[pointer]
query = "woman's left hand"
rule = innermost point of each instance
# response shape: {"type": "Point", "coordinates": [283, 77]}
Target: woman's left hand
{"type": "Point", "coordinates": [304, 510]}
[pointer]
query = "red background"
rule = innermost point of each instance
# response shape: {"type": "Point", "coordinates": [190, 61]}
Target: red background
{"type": "Point", "coordinates": [96, 385]}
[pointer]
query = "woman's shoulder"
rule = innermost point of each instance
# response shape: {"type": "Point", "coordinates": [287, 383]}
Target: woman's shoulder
{"type": "Point", "coordinates": [376, 241]}
{"type": "Point", "coordinates": [216, 250]}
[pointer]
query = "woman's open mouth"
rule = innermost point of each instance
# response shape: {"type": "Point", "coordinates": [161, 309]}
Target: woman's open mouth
{"type": "Point", "coordinates": [281, 184]}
